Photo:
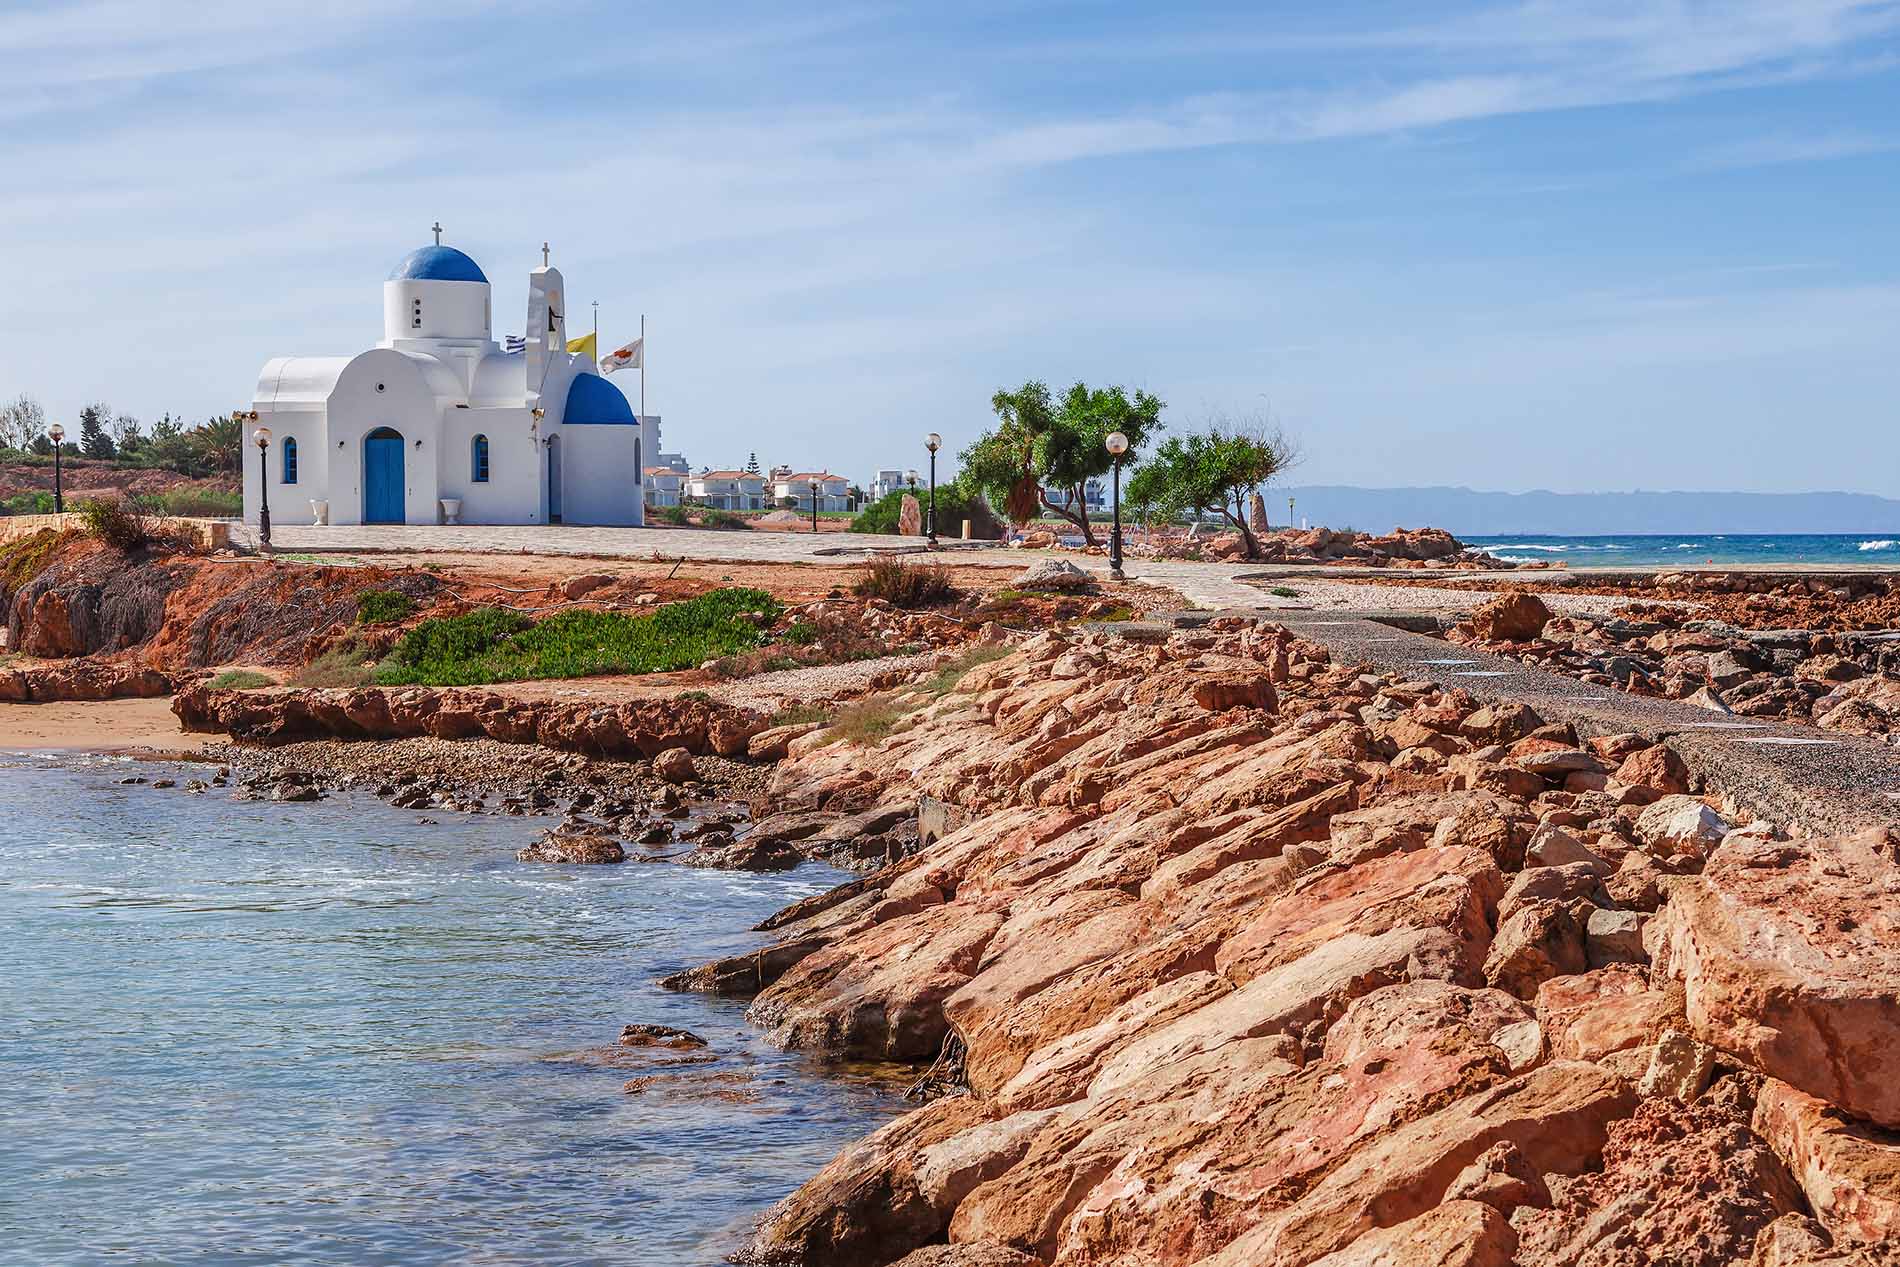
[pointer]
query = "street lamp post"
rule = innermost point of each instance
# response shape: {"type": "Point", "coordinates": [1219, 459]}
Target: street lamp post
{"type": "Point", "coordinates": [1291, 522]}
{"type": "Point", "coordinates": [262, 437]}
{"type": "Point", "coordinates": [814, 505]}
{"type": "Point", "coordinates": [1117, 445]}
{"type": "Point", "coordinates": [59, 490]}
{"type": "Point", "coordinates": [933, 442]}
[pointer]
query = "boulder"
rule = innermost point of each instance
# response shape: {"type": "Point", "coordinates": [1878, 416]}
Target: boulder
{"type": "Point", "coordinates": [1657, 767]}
{"type": "Point", "coordinates": [1541, 940]}
{"type": "Point", "coordinates": [987, 1254]}
{"type": "Point", "coordinates": [675, 765]}
{"type": "Point", "coordinates": [910, 517]}
{"type": "Point", "coordinates": [1552, 884]}
{"type": "Point", "coordinates": [1057, 576]}
{"type": "Point", "coordinates": [1239, 688]}
{"type": "Point", "coordinates": [581, 586]}
{"type": "Point", "coordinates": [1591, 1015]}
{"type": "Point", "coordinates": [1614, 937]}
{"type": "Point", "coordinates": [1555, 847]}
{"type": "Point", "coordinates": [1513, 616]}
{"type": "Point", "coordinates": [1850, 1172]}
{"type": "Point", "coordinates": [1680, 1067]}
{"type": "Point", "coordinates": [1680, 825]}
{"type": "Point", "coordinates": [579, 847]}
{"type": "Point", "coordinates": [1789, 956]}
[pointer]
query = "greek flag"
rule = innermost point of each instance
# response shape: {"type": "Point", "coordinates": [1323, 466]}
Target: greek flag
{"type": "Point", "coordinates": [514, 344]}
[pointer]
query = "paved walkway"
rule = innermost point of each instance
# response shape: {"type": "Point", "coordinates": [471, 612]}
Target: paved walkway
{"type": "Point", "coordinates": [1202, 584]}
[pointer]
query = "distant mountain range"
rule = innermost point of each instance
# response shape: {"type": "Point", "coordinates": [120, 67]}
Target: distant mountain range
{"type": "Point", "coordinates": [1469, 513]}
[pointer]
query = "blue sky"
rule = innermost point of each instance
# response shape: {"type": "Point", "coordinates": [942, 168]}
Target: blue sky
{"type": "Point", "coordinates": [1572, 245]}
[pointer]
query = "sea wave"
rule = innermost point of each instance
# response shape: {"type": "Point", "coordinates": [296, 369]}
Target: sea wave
{"type": "Point", "coordinates": [1882, 544]}
{"type": "Point", "coordinates": [1528, 546]}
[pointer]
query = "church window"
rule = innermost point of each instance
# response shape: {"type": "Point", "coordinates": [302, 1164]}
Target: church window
{"type": "Point", "coordinates": [479, 461]}
{"type": "Point", "coordinates": [290, 460]}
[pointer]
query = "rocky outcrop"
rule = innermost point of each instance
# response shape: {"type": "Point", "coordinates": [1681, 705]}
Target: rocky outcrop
{"type": "Point", "coordinates": [1849, 1171]}
{"type": "Point", "coordinates": [1216, 974]}
{"type": "Point", "coordinates": [1513, 616]}
{"type": "Point", "coordinates": [86, 679]}
{"type": "Point", "coordinates": [1789, 957]}
{"type": "Point", "coordinates": [631, 728]}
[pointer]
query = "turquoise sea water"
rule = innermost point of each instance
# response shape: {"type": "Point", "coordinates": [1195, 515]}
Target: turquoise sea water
{"type": "Point", "coordinates": [1859, 550]}
{"type": "Point", "coordinates": [247, 1032]}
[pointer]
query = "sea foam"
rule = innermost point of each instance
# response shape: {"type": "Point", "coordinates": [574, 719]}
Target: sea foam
{"type": "Point", "coordinates": [1882, 544]}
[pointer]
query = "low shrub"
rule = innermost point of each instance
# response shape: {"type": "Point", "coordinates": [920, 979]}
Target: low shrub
{"type": "Point", "coordinates": [906, 585]}
{"type": "Point", "coordinates": [495, 645]}
{"type": "Point", "coordinates": [803, 634]}
{"type": "Point", "coordinates": [240, 680]}
{"type": "Point", "coordinates": [802, 715]}
{"type": "Point", "coordinates": [383, 607]}
{"type": "Point", "coordinates": [200, 503]}
{"type": "Point", "coordinates": [27, 504]}
{"type": "Point", "coordinates": [953, 507]}
{"type": "Point", "coordinates": [1282, 591]}
{"type": "Point", "coordinates": [346, 665]}
{"type": "Point", "coordinates": [118, 521]}
{"type": "Point", "coordinates": [945, 679]}
{"type": "Point", "coordinates": [23, 559]}
{"type": "Point", "coordinates": [869, 721]}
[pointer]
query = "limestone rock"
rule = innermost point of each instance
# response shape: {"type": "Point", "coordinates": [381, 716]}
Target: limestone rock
{"type": "Point", "coordinates": [1789, 955]}
{"type": "Point", "coordinates": [1680, 825]}
{"type": "Point", "coordinates": [1655, 767]}
{"type": "Point", "coordinates": [1218, 692]}
{"type": "Point", "coordinates": [1850, 1172]}
{"type": "Point", "coordinates": [988, 1254]}
{"type": "Point", "coordinates": [1540, 941]}
{"type": "Point", "coordinates": [1459, 1233]}
{"type": "Point", "coordinates": [1680, 1068]}
{"type": "Point", "coordinates": [1513, 616]}
{"type": "Point", "coordinates": [1054, 575]}
{"type": "Point", "coordinates": [910, 517]}
{"type": "Point", "coordinates": [1564, 883]}
{"type": "Point", "coordinates": [1614, 937]}
{"type": "Point", "coordinates": [573, 847]}
{"type": "Point", "coordinates": [675, 765]}
{"type": "Point", "coordinates": [1501, 1178]}
{"type": "Point", "coordinates": [1591, 1015]}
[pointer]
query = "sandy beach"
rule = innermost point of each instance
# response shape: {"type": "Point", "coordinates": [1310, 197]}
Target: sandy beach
{"type": "Point", "coordinates": [141, 725]}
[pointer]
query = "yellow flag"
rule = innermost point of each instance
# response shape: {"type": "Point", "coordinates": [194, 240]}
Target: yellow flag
{"type": "Point", "coordinates": [583, 346]}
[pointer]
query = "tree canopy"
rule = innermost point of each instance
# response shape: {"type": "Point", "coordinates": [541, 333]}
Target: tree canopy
{"type": "Point", "coordinates": [1040, 443]}
{"type": "Point", "coordinates": [1216, 469]}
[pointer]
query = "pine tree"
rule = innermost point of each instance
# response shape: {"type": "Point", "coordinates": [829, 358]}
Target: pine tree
{"type": "Point", "coordinates": [93, 440]}
{"type": "Point", "coordinates": [752, 464]}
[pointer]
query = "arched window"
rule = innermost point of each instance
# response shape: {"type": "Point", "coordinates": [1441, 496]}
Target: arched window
{"type": "Point", "coordinates": [290, 460]}
{"type": "Point", "coordinates": [478, 461]}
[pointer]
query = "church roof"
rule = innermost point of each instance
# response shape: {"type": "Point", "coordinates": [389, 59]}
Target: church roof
{"type": "Point", "coordinates": [437, 264]}
{"type": "Point", "coordinates": [592, 399]}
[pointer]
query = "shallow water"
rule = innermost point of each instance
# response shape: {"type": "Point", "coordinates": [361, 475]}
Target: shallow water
{"type": "Point", "coordinates": [249, 1032]}
{"type": "Point", "coordinates": [1685, 550]}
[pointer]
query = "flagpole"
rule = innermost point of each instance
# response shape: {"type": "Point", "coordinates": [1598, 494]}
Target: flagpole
{"type": "Point", "coordinates": [643, 370]}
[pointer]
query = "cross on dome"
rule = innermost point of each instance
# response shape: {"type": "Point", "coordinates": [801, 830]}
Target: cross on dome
{"type": "Point", "coordinates": [437, 228]}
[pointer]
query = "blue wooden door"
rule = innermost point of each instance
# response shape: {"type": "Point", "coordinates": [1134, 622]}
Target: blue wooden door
{"type": "Point", "coordinates": [382, 477]}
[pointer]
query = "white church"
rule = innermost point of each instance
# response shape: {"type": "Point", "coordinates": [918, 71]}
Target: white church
{"type": "Point", "coordinates": [439, 424]}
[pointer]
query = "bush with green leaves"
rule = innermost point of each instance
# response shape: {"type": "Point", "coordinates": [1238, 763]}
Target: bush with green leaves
{"type": "Point", "coordinates": [240, 680]}
{"type": "Point", "coordinates": [492, 644]}
{"type": "Point", "coordinates": [954, 505]}
{"type": "Point", "coordinates": [118, 521]}
{"type": "Point", "coordinates": [383, 607]}
{"type": "Point", "coordinates": [905, 585]}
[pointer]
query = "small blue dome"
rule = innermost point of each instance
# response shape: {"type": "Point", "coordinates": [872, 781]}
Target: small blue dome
{"type": "Point", "coordinates": [592, 399]}
{"type": "Point", "coordinates": [437, 264]}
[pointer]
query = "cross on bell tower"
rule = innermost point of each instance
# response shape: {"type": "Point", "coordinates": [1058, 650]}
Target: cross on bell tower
{"type": "Point", "coordinates": [437, 229]}
{"type": "Point", "coordinates": [544, 255]}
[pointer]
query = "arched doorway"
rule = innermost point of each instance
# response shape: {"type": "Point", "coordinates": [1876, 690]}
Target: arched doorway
{"type": "Point", "coordinates": [382, 477]}
{"type": "Point", "coordinates": [554, 479]}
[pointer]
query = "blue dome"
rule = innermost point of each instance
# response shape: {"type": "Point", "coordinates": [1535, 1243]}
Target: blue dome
{"type": "Point", "coordinates": [592, 399]}
{"type": "Point", "coordinates": [437, 264]}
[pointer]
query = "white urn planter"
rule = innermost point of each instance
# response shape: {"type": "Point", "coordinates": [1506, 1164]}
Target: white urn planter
{"type": "Point", "coordinates": [319, 512]}
{"type": "Point", "coordinates": [451, 510]}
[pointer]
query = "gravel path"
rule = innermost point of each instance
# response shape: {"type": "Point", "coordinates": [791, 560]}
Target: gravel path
{"type": "Point", "coordinates": [769, 692]}
{"type": "Point", "coordinates": [1326, 594]}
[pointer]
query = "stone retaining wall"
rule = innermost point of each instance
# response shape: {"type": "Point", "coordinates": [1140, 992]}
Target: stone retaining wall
{"type": "Point", "coordinates": [206, 534]}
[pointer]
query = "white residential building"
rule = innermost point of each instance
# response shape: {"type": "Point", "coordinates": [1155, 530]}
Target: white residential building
{"type": "Point", "coordinates": [889, 481]}
{"type": "Point", "coordinates": [664, 486]}
{"type": "Point", "coordinates": [727, 490]}
{"type": "Point", "coordinates": [834, 491]}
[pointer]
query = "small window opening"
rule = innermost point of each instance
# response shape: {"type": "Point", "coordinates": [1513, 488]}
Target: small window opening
{"type": "Point", "coordinates": [290, 460]}
{"type": "Point", "coordinates": [479, 462]}
{"type": "Point", "coordinates": [415, 314]}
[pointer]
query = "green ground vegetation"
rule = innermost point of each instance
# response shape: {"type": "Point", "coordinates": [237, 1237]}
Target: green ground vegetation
{"type": "Point", "coordinates": [383, 607]}
{"type": "Point", "coordinates": [240, 680]}
{"type": "Point", "coordinates": [494, 644]}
